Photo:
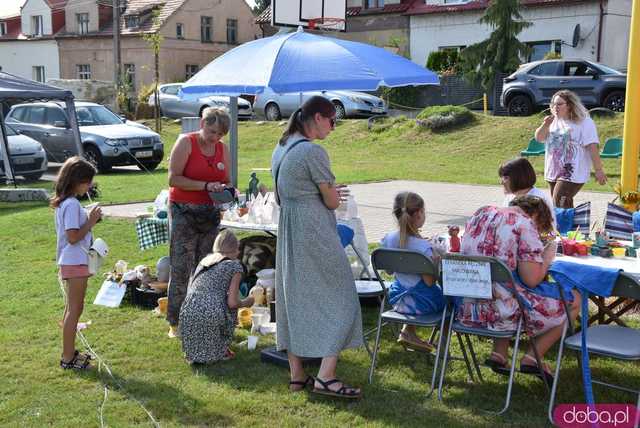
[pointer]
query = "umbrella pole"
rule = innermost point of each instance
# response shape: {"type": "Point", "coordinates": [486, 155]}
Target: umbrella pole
{"type": "Point", "coordinates": [233, 135]}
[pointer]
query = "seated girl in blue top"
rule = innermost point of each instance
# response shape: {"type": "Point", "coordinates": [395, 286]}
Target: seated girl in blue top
{"type": "Point", "coordinates": [412, 294]}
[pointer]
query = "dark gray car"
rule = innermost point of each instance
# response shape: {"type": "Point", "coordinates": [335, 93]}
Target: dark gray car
{"type": "Point", "coordinates": [107, 139]}
{"type": "Point", "coordinates": [533, 84]}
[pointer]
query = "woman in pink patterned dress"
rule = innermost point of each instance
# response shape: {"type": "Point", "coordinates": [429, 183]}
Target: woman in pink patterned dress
{"type": "Point", "coordinates": [513, 235]}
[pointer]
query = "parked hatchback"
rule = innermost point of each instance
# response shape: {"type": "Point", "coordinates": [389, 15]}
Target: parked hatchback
{"type": "Point", "coordinates": [107, 139]}
{"type": "Point", "coordinates": [534, 83]}
{"type": "Point", "coordinates": [172, 106]}
{"type": "Point", "coordinates": [274, 106]}
{"type": "Point", "coordinates": [28, 158]}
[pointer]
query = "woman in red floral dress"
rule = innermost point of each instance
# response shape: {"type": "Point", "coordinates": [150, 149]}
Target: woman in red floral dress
{"type": "Point", "coordinates": [513, 235]}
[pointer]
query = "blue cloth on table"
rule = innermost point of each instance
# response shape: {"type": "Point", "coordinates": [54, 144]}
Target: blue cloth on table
{"type": "Point", "coordinates": [593, 279]}
{"type": "Point", "coordinates": [548, 288]}
{"type": "Point", "coordinates": [420, 299]}
{"type": "Point", "coordinates": [564, 219]}
{"type": "Point", "coordinates": [587, 279]}
{"type": "Point", "coordinates": [346, 234]}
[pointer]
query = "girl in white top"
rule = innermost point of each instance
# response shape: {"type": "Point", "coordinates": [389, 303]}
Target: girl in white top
{"type": "Point", "coordinates": [518, 179]}
{"type": "Point", "coordinates": [73, 229]}
{"type": "Point", "coordinates": [572, 147]}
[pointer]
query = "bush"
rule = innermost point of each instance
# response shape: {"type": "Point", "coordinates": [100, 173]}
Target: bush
{"type": "Point", "coordinates": [444, 62]}
{"type": "Point", "coordinates": [443, 117]}
{"type": "Point", "coordinates": [402, 96]}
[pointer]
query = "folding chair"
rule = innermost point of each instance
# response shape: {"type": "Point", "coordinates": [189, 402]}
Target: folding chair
{"type": "Point", "coordinates": [533, 149]}
{"type": "Point", "coordinates": [499, 273]}
{"type": "Point", "coordinates": [621, 343]}
{"type": "Point", "coordinates": [612, 148]}
{"type": "Point", "coordinates": [410, 262]}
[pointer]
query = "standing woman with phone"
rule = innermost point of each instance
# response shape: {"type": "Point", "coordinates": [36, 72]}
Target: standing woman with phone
{"type": "Point", "coordinates": [571, 141]}
{"type": "Point", "coordinates": [317, 307]}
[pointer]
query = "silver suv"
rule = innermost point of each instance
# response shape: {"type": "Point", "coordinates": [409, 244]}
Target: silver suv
{"type": "Point", "coordinates": [107, 139]}
{"type": "Point", "coordinates": [533, 84]}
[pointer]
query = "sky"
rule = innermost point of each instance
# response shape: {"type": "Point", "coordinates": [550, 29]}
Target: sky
{"type": "Point", "coordinates": [12, 7]}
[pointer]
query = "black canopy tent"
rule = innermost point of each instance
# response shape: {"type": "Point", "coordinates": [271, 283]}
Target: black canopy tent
{"type": "Point", "coordinates": [17, 89]}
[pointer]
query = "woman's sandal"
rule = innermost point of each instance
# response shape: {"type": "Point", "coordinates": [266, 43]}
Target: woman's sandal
{"type": "Point", "coordinates": [409, 344]}
{"type": "Point", "coordinates": [345, 391]}
{"type": "Point", "coordinates": [300, 385]}
{"type": "Point", "coordinates": [533, 369]}
{"type": "Point", "coordinates": [78, 362]}
{"type": "Point", "coordinates": [498, 363]}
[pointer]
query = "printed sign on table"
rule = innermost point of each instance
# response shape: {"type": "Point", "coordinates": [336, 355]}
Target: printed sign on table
{"type": "Point", "coordinates": [466, 278]}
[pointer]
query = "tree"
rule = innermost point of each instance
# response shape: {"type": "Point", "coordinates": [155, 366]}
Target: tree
{"type": "Point", "coordinates": [260, 6]}
{"type": "Point", "coordinates": [502, 51]}
{"type": "Point", "coordinates": [154, 40]}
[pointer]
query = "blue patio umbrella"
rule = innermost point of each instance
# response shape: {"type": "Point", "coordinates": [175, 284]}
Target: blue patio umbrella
{"type": "Point", "coordinates": [297, 62]}
{"type": "Point", "coordinates": [302, 61]}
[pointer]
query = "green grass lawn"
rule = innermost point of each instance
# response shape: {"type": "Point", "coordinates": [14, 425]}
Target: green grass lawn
{"type": "Point", "coordinates": [148, 367]}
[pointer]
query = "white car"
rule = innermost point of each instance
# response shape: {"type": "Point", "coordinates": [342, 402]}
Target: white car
{"type": "Point", "coordinates": [172, 106]}
{"type": "Point", "coordinates": [28, 158]}
{"type": "Point", "coordinates": [274, 106]}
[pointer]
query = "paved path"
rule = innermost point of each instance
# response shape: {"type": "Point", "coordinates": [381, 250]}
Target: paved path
{"type": "Point", "coordinates": [446, 204]}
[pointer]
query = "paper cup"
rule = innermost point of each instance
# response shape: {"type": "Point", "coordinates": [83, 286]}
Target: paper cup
{"type": "Point", "coordinates": [252, 341]}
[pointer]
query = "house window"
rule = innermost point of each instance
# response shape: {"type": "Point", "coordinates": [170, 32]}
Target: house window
{"type": "Point", "coordinates": [206, 30]}
{"type": "Point", "coordinates": [130, 76]}
{"type": "Point", "coordinates": [180, 31]}
{"type": "Point", "coordinates": [38, 73]}
{"type": "Point", "coordinates": [232, 30]}
{"type": "Point", "coordinates": [451, 48]}
{"type": "Point", "coordinates": [131, 21]}
{"type": "Point", "coordinates": [372, 4]}
{"type": "Point", "coordinates": [540, 49]}
{"type": "Point", "coordinates": [84, 71]}
{"type": "Point", "coordinates": [191, 70]}
{"type": "Point", "coordinates": [83, 22]}
{"type": "Point", "coordinates": [36, 25]}
{"type": "Point", "coordinates": [3, 28]}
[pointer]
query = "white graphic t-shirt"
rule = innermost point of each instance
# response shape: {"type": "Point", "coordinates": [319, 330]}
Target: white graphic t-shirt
{"type": "Point", "coordinates": [567, 156]}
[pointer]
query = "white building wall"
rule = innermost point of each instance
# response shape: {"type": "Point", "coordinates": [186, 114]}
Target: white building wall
{"type": "Point", "coordinates": [615, 34]}
{"type": "Point", "coordinates": [19, 57]}
{"type": "Point", "coordinates": [429, 32]}
{"type": "Point", "coordinates": [32, 8]}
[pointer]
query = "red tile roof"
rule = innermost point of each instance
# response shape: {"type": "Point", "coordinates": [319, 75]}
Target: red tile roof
{"type": "Point", "coordinates": [421, 8]}
{"type": "Point", "coordinates": [143, 9]}
{"type": "Point", "coordinates": [56, 4]}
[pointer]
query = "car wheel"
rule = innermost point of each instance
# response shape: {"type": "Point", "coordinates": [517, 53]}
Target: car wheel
{"type": "Point", "coordinates": [520, 105]}
{"type": "Point", "coordinates": [272, 112]}
{"type": "Point", "coordinates": [341, 113]}
{"type": "Point", "coordinates": [148, 166]}
{"type": "Point", "coordinates": [614, 101]}
{"type": "Point", "coordinates": [95, 158]}
{"type": "Point", "coordinates": [202, 111]}
{"type": "Point", "coordinates": [35, 176]}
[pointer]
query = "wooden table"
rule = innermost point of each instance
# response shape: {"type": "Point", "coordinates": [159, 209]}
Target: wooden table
{"type": "Point", "coordinates": [612, 311]}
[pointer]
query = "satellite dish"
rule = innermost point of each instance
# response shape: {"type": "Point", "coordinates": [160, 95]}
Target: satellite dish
{"type": "Point", "coordinates": [576, 36]}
